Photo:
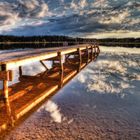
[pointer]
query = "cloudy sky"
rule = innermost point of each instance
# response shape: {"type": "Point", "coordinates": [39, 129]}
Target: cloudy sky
{"type": "Point", "coordinates": [82, 18]}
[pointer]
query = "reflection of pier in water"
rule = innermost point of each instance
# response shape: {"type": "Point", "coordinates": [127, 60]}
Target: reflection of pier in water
{"type": "Point", "coordinates": [19, 98]}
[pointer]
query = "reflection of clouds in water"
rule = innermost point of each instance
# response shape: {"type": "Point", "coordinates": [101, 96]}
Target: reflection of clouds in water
{"type": "Point", "coordinates": [113, 75]}
{"type": "Point", "coordinates": [35, 68]}
{"type": "Point", "coordinates": [70, 121]}
{"type": "Point", "coordinates": [32, 69]}
{"type": "Point", "coordinates": [82, 78]}
{"type": "Point", "coordinates": [132, 64]}
{"type": "Point", "coordinates": [54, 111]}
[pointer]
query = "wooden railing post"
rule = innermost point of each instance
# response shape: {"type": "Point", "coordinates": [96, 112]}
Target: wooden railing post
{"type": "Point", "coordinates": [91, 53]}
{"type": "Point", "coordinates": [98, 50]}
{"type": "Point", "coordinates": [6, 96]}
{"type": "Point", "coordinates": [20, 71]}
{"type": "Point", "coordinates": [80, 59]}
{"type": "Point", "coordinates": [61, 69]}
{"type": "Point", "coordinates": [5, 85]}
{"type": "Point", "coordinates": [87, 52]}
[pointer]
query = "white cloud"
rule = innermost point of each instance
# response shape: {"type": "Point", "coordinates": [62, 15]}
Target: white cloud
{"type": "Point", "coordinates": [118, 17]}
{"type": "Point", "coordinates": [134, 21]}
{"type": "Point", "coordinates": [83, 3]}
{"type": "Point", "coordinates": [114, 34]}
{"type": "Point", "coordinates": [13, 14]}
{"type": "Point", "coordinates": [32, 8]}
{"type": "Point", "coordinates": [44, 10]}
{"type": "Point", "coordinates": [8, 17]}
{"type": "Point", "coordinates": [73, 5]}
{"type": "Point", "coordinates": [78, 6]}
{"type": "Point", "coordinates": [100, 4]}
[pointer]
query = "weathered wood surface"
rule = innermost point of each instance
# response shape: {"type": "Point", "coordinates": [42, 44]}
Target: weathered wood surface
{"type": "Point", "coordinates": [19, 58]}
{"type": "Point", "coordinates": [6, 75]}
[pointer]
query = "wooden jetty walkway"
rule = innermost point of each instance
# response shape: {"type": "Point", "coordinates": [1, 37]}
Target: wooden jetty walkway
{"type": "Point", "coordinates": [19, 98]}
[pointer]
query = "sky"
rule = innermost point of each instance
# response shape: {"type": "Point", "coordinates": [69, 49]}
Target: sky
{"type": "Point", "coordinates": [77, 18]}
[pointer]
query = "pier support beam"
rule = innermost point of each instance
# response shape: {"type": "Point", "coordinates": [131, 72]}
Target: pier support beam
{"type": "Point", "coordinates": [80, 59]}
{"type": "Point", "coordinates": [61, 69]}
{"type": "Point", "coordinates": [43, 65]}
{"type": "Point", "coordinates": [87, 55]}
{"type": "Point", "coordinates": [5, 84]}
{"type": "Point", "coordinates": [20, 71]}
{"type": "Point", "coordinates": [6, 95]}
{"type": "Point", "coordinates": [91, 53]}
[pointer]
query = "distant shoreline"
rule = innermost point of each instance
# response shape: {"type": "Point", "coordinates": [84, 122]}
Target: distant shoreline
{"type": "Point", "coordinates": [7, 42]}
{"type": "Point", "coordinates": [37, 44]}
{"type": "Point", "coordinates": [112, 43]}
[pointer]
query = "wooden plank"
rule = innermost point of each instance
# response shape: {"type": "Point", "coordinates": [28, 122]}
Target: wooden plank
{"type": "Point", "coordinates": [22, 60]}
{"type": "Point", "coordinates": [72, 74]}
{"type": "Point", "coordinates": [67, 51]}
{"type": "Point", "coordinates": [53, 59]}
{"type": "Point", "coordinates": [29, 60]}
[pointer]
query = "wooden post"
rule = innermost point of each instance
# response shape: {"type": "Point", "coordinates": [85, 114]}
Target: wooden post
{"type": "Point", "coordinates": [80, 59]}
{"type": "Point", "coordinates": [6, 97]}
{"type": "Point", "coordinates": [20, 71]}
{"type": "Point", "coordinates": [87, 52]}
{"type": "Point", "coordinates": [61, 70]}
{"type": "Point", "coordinates": [98, 50]}
{"type": "Point", "coordinates": [67, 57]}
{"type": "Point", "coordinates": [91, 53]}
{"type": "Point", "coordinates": [53, 63]}
{"type": "Point", "coordinates": [94, 52]}
{"type": "Point", "coordinates": [5, 85]}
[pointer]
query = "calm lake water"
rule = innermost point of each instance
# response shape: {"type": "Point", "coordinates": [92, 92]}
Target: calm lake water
{"type": "Point", "coordinates": [101, 103]}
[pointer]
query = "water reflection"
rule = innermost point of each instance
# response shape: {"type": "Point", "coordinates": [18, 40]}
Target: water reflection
{"type": "Point", "coordinates": [101, 102]}
{"type": "Point", "coordinates": [117, 76]}
{"type": "Point", "coordinates": [54, 111]}
{"type": "Point", "coordinates": [32, 69]}
{"type": "Point", "coordinates": [29, 45]}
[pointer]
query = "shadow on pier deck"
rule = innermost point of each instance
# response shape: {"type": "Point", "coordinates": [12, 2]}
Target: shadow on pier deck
{"type": "Point", "coordinates": [22, 97]}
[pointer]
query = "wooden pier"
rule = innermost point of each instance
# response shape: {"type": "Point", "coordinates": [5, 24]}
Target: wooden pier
{"type": "Point", "coordinates": [18, 99]}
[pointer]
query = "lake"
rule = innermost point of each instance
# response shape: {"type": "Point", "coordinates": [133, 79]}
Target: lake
{"type": "Point", "coordinates": [101, 102]}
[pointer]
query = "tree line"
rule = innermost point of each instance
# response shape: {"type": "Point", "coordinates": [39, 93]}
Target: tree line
{"type": "Point", "coordinates": [10, 42]}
